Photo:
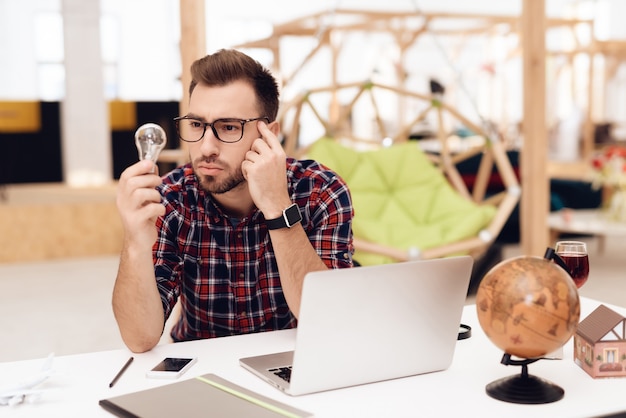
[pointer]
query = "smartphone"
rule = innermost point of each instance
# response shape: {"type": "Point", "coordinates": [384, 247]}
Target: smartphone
{"type": "Point", "coordinates": [171, 368]}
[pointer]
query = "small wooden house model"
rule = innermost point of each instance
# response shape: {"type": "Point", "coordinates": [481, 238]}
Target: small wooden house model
{"type": "Point", "coordinates": [600, 343]}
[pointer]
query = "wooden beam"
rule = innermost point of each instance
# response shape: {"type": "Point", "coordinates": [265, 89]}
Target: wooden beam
{"type": "Point", "coordinates": [587, 148]}
{"type": "Point", "coordinates": [192, 47]}
{"type": "Point", "coordinates": [535, 186]}
{"type": "Point", "coordinates": [192, 42]}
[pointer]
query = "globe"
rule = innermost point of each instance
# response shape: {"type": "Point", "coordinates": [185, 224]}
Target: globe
{"type": "Point", "coordinates": [528, 306]}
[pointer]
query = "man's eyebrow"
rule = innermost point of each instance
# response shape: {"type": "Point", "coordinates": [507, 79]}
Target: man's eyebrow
{"type": "Point", "coordinates": [200, 118]}
{"type": "Point", "coordinates": [194, 116]}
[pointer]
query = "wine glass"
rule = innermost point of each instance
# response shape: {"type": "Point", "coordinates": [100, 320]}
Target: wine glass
{"type": "Point", "coordinates": [574, 255]}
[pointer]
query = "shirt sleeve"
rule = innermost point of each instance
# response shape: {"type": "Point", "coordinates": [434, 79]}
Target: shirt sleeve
{"type": "Point", "coordinates": [328, 214]}
{"type": "Point", "coordinates": [167, 261]}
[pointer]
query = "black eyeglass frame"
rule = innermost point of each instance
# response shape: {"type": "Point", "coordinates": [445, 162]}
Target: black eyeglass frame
{"type": "Point", "coordinates": [211, 124]}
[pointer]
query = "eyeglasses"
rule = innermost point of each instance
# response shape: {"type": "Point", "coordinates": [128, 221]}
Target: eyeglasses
{"type": "Point", "coordinates": [226, 130]}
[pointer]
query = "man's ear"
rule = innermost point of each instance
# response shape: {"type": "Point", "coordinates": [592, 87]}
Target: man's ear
{"type": "Point", "coordinates": [274, 127]}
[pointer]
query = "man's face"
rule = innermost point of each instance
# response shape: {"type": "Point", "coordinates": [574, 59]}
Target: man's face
{"type": "Point", "coordinates": [218, 164]}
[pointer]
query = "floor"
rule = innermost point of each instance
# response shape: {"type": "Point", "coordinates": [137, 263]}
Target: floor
{"type": "Point", "coordinates": [65, 306]}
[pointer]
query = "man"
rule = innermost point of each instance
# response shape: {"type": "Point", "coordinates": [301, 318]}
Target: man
{"type": "Point", "coordinates": [237, 229]}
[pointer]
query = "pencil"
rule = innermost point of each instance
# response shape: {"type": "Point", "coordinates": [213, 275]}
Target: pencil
{"type": "Point", "coordinates": [121, 372]}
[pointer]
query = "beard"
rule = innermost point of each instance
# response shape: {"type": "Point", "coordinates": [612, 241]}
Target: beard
{"type": "Point", "coordinates": [210, 184]}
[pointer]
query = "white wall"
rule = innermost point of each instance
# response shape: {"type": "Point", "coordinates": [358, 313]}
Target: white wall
{"type": "Point", "coordinates": [148, 54]}
{"type": "Point", "coordinates": [18, 72]}
{"type": "Point", "coordinates": [142, 39]}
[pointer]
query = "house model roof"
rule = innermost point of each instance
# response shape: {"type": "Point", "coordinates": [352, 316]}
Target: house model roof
{"type": "Point", "coordinates": [599, 323]}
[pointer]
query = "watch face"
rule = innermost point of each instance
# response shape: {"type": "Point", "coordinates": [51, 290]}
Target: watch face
{"type": "Point", "coordinates": [292, 213]}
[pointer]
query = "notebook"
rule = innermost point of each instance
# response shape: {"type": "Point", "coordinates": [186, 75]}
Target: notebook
{"type": "Point", "coordinates": [368, 324]}
{"type": "Point", "coordinates": [202, 396]}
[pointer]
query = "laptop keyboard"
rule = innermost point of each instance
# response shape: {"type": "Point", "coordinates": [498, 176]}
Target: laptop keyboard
{"type": "Point", "coordinates": [282, 372]}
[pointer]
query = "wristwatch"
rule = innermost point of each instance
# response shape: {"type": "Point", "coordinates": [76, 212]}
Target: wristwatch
{"type": "Point", "coordinates": [290, 217]}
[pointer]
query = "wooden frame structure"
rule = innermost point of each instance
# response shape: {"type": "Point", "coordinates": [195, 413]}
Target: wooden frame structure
{"type": "Point", "coordinates": [339, 127]}
{"type": "Point", "coordinates": [406, 29]}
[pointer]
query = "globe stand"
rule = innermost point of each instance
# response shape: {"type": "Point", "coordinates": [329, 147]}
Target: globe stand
{"type": "Point", "coordinates": [523, 388]}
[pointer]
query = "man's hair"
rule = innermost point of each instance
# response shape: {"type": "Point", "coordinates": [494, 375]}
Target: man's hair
{"type": "Point", "coordinates": [227, 66]}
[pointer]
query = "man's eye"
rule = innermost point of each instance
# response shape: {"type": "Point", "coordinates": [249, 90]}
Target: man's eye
{"type": "Point", "coordinates": [195, 124]}
{"type": "Point", "coordinates": [228, 127]}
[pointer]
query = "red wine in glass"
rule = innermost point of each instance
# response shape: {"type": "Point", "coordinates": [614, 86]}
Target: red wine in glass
{"type": "Point", "coordinates": [578, 266]}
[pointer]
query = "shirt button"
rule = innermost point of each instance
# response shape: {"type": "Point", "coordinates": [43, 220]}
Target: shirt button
{"type": "Point", "coordinates": [241, 275]}
{"type": "Point", "coordinates": [239, 235]}
{"type": "Point", "coordinates": [243, 314]}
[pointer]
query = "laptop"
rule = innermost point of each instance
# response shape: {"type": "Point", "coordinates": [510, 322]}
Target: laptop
{"type": "Point", "coordinates": [369, 324]}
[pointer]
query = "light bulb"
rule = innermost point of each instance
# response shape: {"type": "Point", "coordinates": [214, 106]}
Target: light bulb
{"type": "Point", "coordinates": [150, 139]}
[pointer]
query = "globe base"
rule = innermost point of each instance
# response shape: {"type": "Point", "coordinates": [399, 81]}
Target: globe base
{"type": "Point", "coordinates": [524, 389]}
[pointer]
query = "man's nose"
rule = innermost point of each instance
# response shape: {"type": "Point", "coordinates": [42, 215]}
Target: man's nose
{"type": "Point", "coordinates": [209, 143]}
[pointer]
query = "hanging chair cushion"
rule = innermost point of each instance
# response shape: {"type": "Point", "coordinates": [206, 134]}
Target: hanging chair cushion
{"type": "Point", "coordinates": [400, 198]}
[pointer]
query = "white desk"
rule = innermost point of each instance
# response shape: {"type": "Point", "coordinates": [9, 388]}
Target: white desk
{"type": "Point", "coordinates": [82, 380]}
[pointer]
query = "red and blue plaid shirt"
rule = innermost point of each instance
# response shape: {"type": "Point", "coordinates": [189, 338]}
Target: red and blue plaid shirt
{"type": "Point", "coordinates": [225, 274]}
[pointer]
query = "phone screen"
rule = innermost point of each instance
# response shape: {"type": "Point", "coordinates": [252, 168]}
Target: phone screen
{"type": "Point", "coordinates": [172, 364]}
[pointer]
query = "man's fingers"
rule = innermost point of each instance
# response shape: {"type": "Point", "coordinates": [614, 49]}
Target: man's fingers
{"type": "Point", "coordinates": [153, 211]}
{"type": "Point", "coordinates": [143, 219]}
{"type": "Point", "coordinates": [138, 198]}
{"type": "Point", "coordinates": [268, 135]}
{"type": "Point", "coordinates": [148, 181]}
{"type": "Point", "coordinates": [143, 197]}
{"type": "Point", "coordinates": [139, 168]}
{"type": "Point", "coordinates": [137, 188]}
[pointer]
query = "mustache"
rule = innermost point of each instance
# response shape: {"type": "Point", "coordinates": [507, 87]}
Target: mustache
{"type": "Point", "coordinates": [208, 160]}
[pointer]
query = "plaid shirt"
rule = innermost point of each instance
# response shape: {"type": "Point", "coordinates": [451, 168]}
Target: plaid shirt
{"type": "Point", "coordinates": [226, 274]}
